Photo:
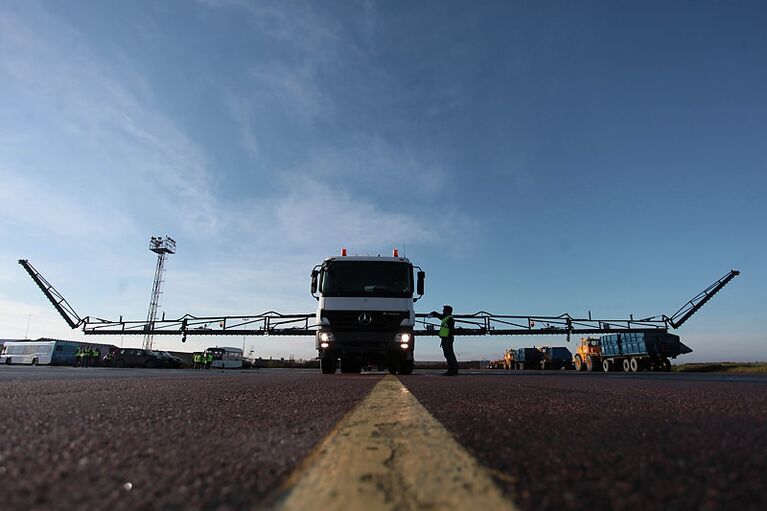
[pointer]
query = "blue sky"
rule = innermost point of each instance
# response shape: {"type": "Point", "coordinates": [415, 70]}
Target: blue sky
{"type": "Point", "coordinates": [566, 157]}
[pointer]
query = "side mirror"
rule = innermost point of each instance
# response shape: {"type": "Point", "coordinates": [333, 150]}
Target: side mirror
{"type": "Point", "coordinates": [420, 283]}
{"type": "Point", "coordinates": [315, 273]}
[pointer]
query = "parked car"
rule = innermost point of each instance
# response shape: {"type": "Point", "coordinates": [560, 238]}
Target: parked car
{"type": "Point", "coordinates": [135, 357]}
{"type": "Point", "coordinates": [170, 361]}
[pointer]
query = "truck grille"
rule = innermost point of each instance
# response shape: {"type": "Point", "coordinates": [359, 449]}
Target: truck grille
{"type": "Point", "coordinates": [365, 321]}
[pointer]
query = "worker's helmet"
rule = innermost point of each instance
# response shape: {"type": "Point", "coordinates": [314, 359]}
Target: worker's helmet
{"type": "Point", "coordinates": [448, 309]}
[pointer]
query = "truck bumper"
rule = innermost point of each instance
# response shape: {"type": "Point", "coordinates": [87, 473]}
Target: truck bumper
{"type": "Point", "coordinates": [368, 346]}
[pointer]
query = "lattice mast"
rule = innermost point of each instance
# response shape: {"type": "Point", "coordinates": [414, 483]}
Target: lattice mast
{"type": "Point", "coordinates": [162, 247]}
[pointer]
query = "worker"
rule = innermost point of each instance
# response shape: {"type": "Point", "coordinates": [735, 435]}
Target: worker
{"type": "Point", "coordinates": [208, 359]}
{"type": "Point", "coordinates": [197, 359]}
{"type": "Point", "coordinates": [97, 357]}
{"type": "Point", "coordinates": [446, 331]}
{"type": "Point", "coordinates": [78, 356]}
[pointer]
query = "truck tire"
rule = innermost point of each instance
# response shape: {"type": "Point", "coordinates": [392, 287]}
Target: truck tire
{"type": "Point", "coordinates": [579, 363]}
{"type": "Point", "coordinates": [589, 363]}
{"type": "Point", "coordinates": [406, 367]}
{"type": "Point", "coordinates": [666, 365]}
{"type": "Point", "coordinates": [328, 365]}
{"type": "Point", "coordinates": [8, 361]}
{"type": "Point", "coordinates": [634, 364]}
{"type": "Point", "coordinates": [34, 361]}
{"type": "Point", "coordinates": [626, 365]}
{"type": "Point", "coordinates": [606, 365]}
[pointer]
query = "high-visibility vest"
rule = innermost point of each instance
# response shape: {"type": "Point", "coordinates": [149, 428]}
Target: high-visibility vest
{"type": "Point", "coordinates": [444, 329]}
{"type": "Point", "coordinates": [209, 357]}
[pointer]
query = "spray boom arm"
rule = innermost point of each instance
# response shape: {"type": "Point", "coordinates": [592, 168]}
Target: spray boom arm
{"type": "Point", "coordinates": [274, 323]}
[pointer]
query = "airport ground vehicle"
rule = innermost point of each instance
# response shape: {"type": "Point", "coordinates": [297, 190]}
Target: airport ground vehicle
{"type": "Point", "coordinates": [556, 357]}
{"type": "Point", "coordinates": [45, 351]}
{"type": "Point", "coordinates": [365, 312]}
{"type": "Point", "coordinates": [366, 315]}
{"type": "Point", "coordinates": [588, 356]}
{"type": "Point", "coordinates": [226, 358]}
{"type": "Point", "coordinates": [137, 357]}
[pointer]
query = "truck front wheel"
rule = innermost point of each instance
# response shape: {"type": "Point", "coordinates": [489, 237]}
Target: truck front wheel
{"type": "Point", "coordinates": [328, 365]}
{"type": "Point", "coordinates": [406, 367]}
{"type": "Point", "coordinates": [589, 363]}
{"type": "Point", "coordinates": [578, 363]}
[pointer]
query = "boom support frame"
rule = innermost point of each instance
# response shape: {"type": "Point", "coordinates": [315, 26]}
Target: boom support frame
{"type": "Point", "coordinates": [275, 323]}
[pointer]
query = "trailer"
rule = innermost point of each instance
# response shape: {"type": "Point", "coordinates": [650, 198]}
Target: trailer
{"type": "Point", "coordinates": [556, 357]}
{"type": "Point", "coordinates": [640, 351]}
{"type": "Point", "coordinates": [528, 358]}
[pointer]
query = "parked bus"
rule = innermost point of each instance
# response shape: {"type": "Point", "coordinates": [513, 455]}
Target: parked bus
{"type": "Point", "coordinates": [46, 351]}
{"type": "Point", "coordinates": [226, 358]}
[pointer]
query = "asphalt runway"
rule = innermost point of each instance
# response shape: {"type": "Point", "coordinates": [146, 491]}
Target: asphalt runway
{"type": "Point", "coordinates": [154, 439]}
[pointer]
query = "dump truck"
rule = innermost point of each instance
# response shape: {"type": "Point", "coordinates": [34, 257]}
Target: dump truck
{"type": "Point", "coordinates": [640, 351]}
{"type": "Point", "coordinates": [556, 357]}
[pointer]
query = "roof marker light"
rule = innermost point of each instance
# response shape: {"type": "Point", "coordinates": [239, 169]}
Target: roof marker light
{"type": "Point", "coordinates": [343, 252]}
{"type": "Point", "coordinates": [395, 253]}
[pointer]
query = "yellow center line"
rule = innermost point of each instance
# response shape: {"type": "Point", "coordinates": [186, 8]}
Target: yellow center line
{"type": "Point", "coordinates": [390, 453]}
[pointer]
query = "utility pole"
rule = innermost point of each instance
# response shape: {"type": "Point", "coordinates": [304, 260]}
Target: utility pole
{"type": "Point", "coordinates": [162, 247]}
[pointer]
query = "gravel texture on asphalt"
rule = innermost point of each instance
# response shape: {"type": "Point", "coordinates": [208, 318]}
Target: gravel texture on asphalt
{"type": "Point", "coordinates": [198, 442]}
{"type": "Point", "coordinates": [594, 442]}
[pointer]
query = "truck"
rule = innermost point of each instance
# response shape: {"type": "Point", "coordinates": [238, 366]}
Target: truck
{"type": "Point", "coordinates": [365, 312]}
{"type": "Point", "coordinates": [629, 352]}
{"type": "Point", "coordinates": [556, 357]}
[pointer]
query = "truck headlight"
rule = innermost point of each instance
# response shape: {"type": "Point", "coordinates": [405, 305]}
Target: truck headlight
{"type": "Point", "coordinates": [404, 338]}
{"type": "Point", "coordinates": [404, 345]}
{"type": "Point", "coordinates": [325, 339]}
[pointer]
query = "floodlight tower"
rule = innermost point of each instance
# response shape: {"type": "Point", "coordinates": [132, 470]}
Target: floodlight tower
{"type": "Point", "coordinates": [162, 247]}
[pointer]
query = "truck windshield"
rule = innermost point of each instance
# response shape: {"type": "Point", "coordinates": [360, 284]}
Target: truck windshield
{"type": "Point", "coordinates": [367, 278]}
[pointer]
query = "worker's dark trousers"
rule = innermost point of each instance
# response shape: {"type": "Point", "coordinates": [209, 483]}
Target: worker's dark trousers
{"type": "Point", "coordinates": [447, 349]}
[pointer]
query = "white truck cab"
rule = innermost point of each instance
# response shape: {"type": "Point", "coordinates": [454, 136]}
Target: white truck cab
{"type": "Point", "coordinates": [365, 313]}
